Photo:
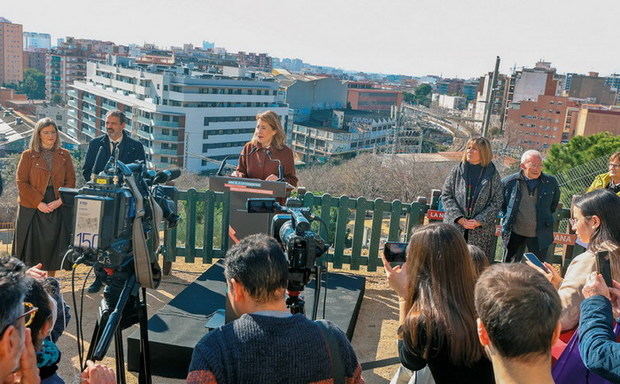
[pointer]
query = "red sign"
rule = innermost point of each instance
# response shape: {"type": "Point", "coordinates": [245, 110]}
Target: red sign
{"type": "Point", "coordinates": [434, 215]}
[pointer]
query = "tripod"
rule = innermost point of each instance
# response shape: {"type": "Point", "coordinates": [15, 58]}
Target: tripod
{"type": "Point", "coordinates": [109, 326]}
{"type": "Point", "coordinates": [294, 300]}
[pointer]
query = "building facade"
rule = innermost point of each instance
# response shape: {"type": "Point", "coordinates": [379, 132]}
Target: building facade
{"type": "Point", "coordinates": [592, 87]}
{"type": "Point", "coordinates": [373, 99]}
{"type": "Point", "coordinates": [35, 59]}
{"type": "Point", "coordinates": [11, 52]}
{"type": "Point", "coordinates": [597, 119]}
{"type": "Point", "coordinates": [35, 40]}
{"type": "Point", "coordinates": [451, 102]}
{"type": "Point", "coordinates": [183, 118]}
{"type": "Point", "coordinates": [538, 124]}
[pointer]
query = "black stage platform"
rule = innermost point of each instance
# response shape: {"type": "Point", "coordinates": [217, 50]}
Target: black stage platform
{"type": "Point", "coordinates": [176, 328]}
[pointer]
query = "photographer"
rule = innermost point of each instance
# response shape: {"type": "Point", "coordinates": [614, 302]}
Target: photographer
{"type": "Point", "coordinates": [267, 344]}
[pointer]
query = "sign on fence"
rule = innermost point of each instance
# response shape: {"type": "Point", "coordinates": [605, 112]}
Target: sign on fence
{"type": "Point", "coordinates": [558, 238]}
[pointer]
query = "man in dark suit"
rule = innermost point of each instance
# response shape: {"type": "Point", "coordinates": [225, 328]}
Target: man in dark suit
{"type": "Point", "coordinates": [129, 151]}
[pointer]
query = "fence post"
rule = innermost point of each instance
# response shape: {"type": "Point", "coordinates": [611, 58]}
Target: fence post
{"type": "Point", "coordinates": [375, 235]}
{"type": "Point", "coordinates": [207, 243]}
{"type": "Point", "coordinates": [397, 209]}
{"type": "Point", "coordinates": [341, 226]}
{"type": "Point", "coordinates": [358, 233]}
{"type": "Point", "coordinates": [190, 226]}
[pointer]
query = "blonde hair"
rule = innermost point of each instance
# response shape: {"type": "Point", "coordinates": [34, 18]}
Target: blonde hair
{"type": "Point", "coordinates": [35, 141]}
{"type": "Point", "coordinates": [273, 120]}
{"type": "Point", "coordinates": [614, 156]}
{"type": "Point", "coordinates": [484, 147]}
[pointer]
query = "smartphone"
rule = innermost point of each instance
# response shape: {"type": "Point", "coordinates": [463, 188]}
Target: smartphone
{"type": "Point", "coordinates": [536, 261]}
{"type": "Point", "coordinates": [603, 267]}
{"type": "Point", "coordinates": [395, 252]}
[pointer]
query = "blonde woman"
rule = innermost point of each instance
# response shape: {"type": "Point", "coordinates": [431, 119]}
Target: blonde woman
{"type": "Point", "coordinates": [258, 159]}
{"type": "Point", "coordinates": [472, 196]}
{"type": "Point", "coordinates": [40, 236]}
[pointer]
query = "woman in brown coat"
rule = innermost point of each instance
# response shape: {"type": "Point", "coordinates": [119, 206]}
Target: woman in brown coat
{"type": "Point", "coordinates": [40, 236]}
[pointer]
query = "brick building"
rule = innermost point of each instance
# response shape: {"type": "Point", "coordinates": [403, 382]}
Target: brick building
{"type": "Point", "coordinates": [11, 52]}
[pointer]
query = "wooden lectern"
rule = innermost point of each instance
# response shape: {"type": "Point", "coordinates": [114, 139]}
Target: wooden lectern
{"type": "Point", "coordinates": [242, 223]}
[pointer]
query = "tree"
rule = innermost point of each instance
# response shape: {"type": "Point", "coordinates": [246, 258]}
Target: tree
{"type": "Point", "coordinates": [33, 84]}
{"type": "Point", "coordinates": [423, 94]}
{"type": "Point", "coordinates": [409, 97]}
{"type": "Point", "coordinates": [579, 150]}
{"type": "Point", "coordinates": [57, 99]}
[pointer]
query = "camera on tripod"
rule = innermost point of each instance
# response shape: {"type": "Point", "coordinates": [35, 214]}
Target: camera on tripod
{"type": "Point", "coordinates": [301, 245]}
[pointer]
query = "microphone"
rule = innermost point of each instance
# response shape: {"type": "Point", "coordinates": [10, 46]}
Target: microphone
{"type": "Point", "coordinates": [223, 163]}
{"type": "Point", "coordinates": [166, 175]}
{"type": "Point", "coordinates": [93, 173]}
{"type": "Point", "coordinates": [280, 167]}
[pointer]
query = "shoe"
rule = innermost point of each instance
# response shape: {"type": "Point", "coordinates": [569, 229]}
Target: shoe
{"type": "Point", "coordinates": [95, 286]}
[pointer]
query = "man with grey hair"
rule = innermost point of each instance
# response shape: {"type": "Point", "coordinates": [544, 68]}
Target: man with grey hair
{"type": "Point", "coordinates": [129, 151]}
{"type": "Point", "coordinates": [530, 199]}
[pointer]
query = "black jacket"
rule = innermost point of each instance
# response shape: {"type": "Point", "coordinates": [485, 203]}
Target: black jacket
{"type": "Point", "coordinates": [547, 203]}
{"type": "Point", "coordinates": [129, 151]}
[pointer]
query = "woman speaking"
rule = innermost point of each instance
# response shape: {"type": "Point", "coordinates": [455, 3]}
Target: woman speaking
{"type": "Point", "coordinates": [43, 168]}
{"type": "Point", "coordinates": [262, 156]}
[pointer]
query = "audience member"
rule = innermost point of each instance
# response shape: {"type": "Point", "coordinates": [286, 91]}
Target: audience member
{"type": "Point", "coordinates": [267, 344]}
{"type": "Point", "coordinates": [599, 349]}
{"type": "Point", "coordinates": [472, 196]}
{"type": "Point", "coordinates": [479, 258]}
{"type": "Point", "coordinates": [611, 179]}
{"type": "Point", "coordinates": [435, 287]}
{"type": "Point", "coordinates": [596, 221]}
{"type": "Point", "coordinates": [530, 199]}
{"type": "Point", "coordinates": [40, 233]}
{"type": "Point", "coordinates": [518, 313]}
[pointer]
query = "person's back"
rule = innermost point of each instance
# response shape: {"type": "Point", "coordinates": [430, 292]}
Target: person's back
{"type": "Point", "coordinates": [263, 348]}
{"type": "Point", "coordinates": [267, 344]}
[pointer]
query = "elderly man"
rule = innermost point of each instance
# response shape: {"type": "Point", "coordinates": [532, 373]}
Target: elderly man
{"type": "Point", "coordinates": [530, 198]}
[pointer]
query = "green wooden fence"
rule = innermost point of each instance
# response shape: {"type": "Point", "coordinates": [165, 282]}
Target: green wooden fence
{"type": "Point", "coordinates": [355, 227]}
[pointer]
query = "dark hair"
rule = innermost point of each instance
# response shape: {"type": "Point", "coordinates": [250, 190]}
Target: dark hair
{"type": "Point", "coordinates": [38, 296]}
{"type": "Point", "coordinates": [440, 299]}
{"type": "Point", "coordinates": [519, 308]}
{"type": "Point", "coordinates": [606, 237]}
{"type": "Point", "coordinates": [481, 262]}
{"type": "Point", "coordinates": [117, 113]}
{"type": "Point", "coordinates": [258, 263]}
{"type": "Point", "coordinates": [12, 291]}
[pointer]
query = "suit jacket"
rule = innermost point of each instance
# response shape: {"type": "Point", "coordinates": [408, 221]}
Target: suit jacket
{"type": "Point", "coordinates": [33, 177]}
{"type": "Point", "coordinates": [129, 151]}
{"type": "Point", "coordinates": [546, 204]}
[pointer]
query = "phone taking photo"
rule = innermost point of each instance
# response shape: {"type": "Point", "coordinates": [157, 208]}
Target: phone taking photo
{"type": "Point", "coordinates": [535, 260]}
{"type": "Point", "coordinates": [395, 252]}
{"type": "Point", "coordinates": [603, 266]}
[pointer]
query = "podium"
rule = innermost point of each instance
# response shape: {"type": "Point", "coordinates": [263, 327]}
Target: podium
{"type": "Point", "coordinates": [242, 223]}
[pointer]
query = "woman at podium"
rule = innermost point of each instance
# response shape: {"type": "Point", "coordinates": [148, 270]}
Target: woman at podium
{"type": "Point", "coordinates": [266, 157]}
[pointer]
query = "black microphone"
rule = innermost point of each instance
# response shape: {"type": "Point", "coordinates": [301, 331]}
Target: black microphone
{"type": "Point", "coordinates": [166, 175]}
{"type": "Point", "coordinates": [93, 174]}
{"type": "Point", "coordinates": [223, 163]}
{"type": "Point", "coordinates": [280, 167]}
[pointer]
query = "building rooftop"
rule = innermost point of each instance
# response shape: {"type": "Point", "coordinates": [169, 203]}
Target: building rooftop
{"type": "Point", "coordinates": [3, 20]}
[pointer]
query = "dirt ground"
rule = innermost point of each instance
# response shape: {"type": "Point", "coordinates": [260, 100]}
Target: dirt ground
{"type": "Point", "coordinates": [374, 336]}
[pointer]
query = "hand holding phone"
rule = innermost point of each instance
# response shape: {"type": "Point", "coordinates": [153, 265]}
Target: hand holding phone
{"type": "Point", "coordinates": [603, 267]}
{"type": "Point", "coordinates": [395, 252]}
{"type": "Point", "coordinates": [535, 260]}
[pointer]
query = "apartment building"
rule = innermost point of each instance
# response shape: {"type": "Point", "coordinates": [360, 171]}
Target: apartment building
{"type": "Point", "coordinates": [11, 52]}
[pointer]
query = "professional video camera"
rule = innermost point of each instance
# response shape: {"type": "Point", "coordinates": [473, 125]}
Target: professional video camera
{"type": "Point", "coordinates": [302, 246]}
{"type": "Point", "coordinates": [115, 228]}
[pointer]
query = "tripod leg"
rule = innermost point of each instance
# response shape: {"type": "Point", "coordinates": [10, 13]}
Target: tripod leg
{"type": "Point", "coordinates": [144, 375]}
{"type": "Point", "coordinates": [93, 341]}
{"type": "Point", "coordinates": [120, 357]}
{"type": "Point", "coordinates": [317, 292]}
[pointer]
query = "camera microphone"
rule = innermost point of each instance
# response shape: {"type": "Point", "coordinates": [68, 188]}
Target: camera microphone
{"type": "Point", "coordinates": [166, 175]}
{"type": "Point", "coordinates": [223, 163]}
{"type": "Point", "coordinates": [93, 173]}
{"type": "Point", "coordinates": [280, 167]}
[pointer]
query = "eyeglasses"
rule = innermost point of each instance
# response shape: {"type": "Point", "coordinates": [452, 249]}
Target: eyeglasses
{"type": "Point", "coordinates": [614, 165]}
{"type": "Point", "coordinates": [573, 222]}
{"type": "Point", "coordinates": [30, 312]}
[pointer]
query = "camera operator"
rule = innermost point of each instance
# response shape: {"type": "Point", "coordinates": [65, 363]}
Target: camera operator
{"type": "Point", "coordinates": [129, 151]}
{"type": "Point", "coordinates": [518, 322]}
{"type": "Point", "coordinates": [273, 345]}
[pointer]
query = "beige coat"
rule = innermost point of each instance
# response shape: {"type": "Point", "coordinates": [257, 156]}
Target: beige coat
{"type": "Point", "coordinates": [570, 290]}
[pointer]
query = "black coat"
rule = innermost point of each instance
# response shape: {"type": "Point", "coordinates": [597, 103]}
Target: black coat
{"type": "Point", "coordinates": [129, 151]}
{"type": "Point", "coordinates": [546, 204]}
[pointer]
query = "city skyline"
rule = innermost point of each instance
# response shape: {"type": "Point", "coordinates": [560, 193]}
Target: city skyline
{"type": "Point", "coordinates": [418, 38]}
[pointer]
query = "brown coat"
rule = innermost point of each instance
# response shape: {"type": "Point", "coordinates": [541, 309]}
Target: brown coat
{"type": "Point", "coordinates": [255, 164]}
{"type": "Point", "coordinates": [33, 176]}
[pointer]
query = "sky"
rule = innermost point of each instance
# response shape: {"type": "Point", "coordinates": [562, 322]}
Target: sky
{"type": "Point", "coordinates": [452, 38]}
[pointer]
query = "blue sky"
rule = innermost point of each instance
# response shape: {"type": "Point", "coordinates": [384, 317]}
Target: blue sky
{"type": "Point", "coordinates": [415, 37]}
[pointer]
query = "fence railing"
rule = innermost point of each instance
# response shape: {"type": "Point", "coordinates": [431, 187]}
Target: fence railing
{"type": "Point", "coordinates": [355, 228]}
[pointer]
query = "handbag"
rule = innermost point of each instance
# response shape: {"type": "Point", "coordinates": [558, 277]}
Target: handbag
{"type": "Point", "coordinates": [569, 368]}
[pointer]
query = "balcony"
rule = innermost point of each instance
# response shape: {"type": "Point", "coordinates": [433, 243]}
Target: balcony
{"type": "Point", "coordinates": [72, 103]}
{"type": "Point", "coordinates": [90, 99]}
{"type": "Point", "coordinates": [169, 124]}
{"type": "Point", "coordinates": [162, 151]}
{"type": "Point", "coordinates": [169, 138]}
{"type": "Point", "coordinates": [144, 120]}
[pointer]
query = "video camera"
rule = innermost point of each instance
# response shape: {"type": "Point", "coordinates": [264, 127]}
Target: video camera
{"type": "Point", "coordinates": [301, 245]}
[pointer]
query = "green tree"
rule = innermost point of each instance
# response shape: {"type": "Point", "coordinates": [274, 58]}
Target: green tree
{"type": "Point", "coordinates": [57, 99]}
{"type": "Point", "coordinates": [423, 94]}
{"type": "Point", "coordinates": [579, 150]}
{"type": "Point", "coordinates": [33, 84]}
{"type": "Point", "coordinates": [409, 97]}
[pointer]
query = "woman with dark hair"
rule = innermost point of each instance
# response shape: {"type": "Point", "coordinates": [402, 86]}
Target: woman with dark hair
{"type": "Point", "coordinates": [40, 236]}
{"type": "Point", "coordinates": [262, 155]}
{"type": "Point", "coordinates": [596, 220]}
{"type": "Point", "coordinates": [472, 196]}
{"type": "Point", "coordinates": [435, 287]}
